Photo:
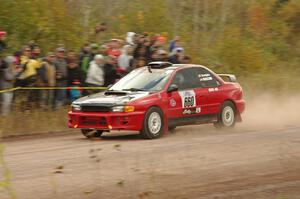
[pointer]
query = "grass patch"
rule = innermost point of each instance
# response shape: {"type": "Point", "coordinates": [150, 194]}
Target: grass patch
{"type": "Point", "coordinates": [34, 121]}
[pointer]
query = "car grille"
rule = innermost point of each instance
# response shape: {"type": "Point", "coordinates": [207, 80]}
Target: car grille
{"type": "Point", "coordinates": [93, 121]}
{"type": "Point", "coordinates": [92, 109]}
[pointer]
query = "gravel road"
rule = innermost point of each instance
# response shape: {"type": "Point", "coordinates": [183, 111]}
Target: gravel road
{"type": "Point", "coordinates": [192, 162]}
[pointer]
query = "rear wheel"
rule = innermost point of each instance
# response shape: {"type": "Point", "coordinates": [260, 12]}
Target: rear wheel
{"type": "Point", "coordinates": [153, 124]}
{"type": "Point", "coordinates": [227, 116]}
{"type": "Point", "coordinates": [90, 133]}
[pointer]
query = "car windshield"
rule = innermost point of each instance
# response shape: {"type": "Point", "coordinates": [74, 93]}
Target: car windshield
{"type": "Point", "coordinates": [143, 79]}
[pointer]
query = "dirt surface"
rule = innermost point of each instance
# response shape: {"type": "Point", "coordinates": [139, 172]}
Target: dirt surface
{"type": "Point", "coordinates": [259, 159]}
{"type": "Point", "coordinates": [192, 162]}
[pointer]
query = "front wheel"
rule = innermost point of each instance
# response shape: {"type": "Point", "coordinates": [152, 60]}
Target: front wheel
{"type": "Point", "coordinates": [153, 124]}
{"type": "Point", "coordinates": [227, 116]}
{"type": "Point", "coordinates": [90, 133]}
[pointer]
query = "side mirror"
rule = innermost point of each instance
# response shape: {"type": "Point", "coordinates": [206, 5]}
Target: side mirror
{"type": "Point", "coordinates": [172, 88]}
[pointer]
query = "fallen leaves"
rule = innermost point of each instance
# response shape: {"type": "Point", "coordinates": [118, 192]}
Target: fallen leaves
{"type": "Point", "coordinates": [117, 147]}
{"type": "Point", "coordinates": [58, 169]}
{"type": "Point", "coordinates": [121, 183]}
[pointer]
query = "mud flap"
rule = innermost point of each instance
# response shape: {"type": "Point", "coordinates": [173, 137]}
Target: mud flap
{"type": "Point", "coordinates": [166, 123]}
{"type": "Point", "coordinates": [238, 117]}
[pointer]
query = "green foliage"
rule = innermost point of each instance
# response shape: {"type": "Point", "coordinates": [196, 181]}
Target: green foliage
{"type": "Point", "coordinates": [5, 184]}
{"type": "Point", "coordinates": [248, 38]}
{"type": "Point", "coordinates": [48, 22]}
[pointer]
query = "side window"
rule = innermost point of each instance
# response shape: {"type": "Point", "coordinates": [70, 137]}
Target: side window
{"type": "Point", "coordinates": [205, 78]}
{"type": "Point", "coordinates": [185, 79]}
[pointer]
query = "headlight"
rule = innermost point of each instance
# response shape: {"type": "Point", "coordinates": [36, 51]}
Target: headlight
{"type": "Point", "coordinates": [76, 107]}
{"type": "Point", "coordinates": [120, 109]}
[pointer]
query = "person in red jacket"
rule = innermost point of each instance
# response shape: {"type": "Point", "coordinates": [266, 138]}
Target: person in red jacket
{"type": "Point", "coordinates": [114, 48]}
{"type": "Point", "coordinates": [3, 35]}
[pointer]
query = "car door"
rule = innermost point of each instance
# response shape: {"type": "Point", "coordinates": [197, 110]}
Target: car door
{"type": "Point", "coordinates": [185, 102]}
{"type": "Point", "coordinates": [209, 90]}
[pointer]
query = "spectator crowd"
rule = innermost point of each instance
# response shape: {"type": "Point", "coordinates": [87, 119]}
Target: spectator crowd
{"type": "Point", "coordinates": [95, 65]}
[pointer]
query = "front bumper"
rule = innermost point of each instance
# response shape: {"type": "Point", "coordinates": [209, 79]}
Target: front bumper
{"type": "Point", "coordinates": [106, 121]}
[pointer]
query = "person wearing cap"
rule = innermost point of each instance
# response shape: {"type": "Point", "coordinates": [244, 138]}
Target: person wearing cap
{"type": "Point", "coordinates": [162, 55]}
{"type": "Point", "coordinates": [103, 50]}
{"type": "Point", "coordinates": [48, 76]}
{"type": "Point", "coordinates": [94, 51]}
{"type": "Point", "coordinates": [30, 66]}
{"type": "Point", "coordinates": [8, 76]}
{"type": "Point", "coordinates": [2, 47]}
{"type": "Point", "coordinates": [110, 70]}
{"type": "Point", "coordinates": [61, 77]}
{"type": "Point", "coordinates": [75, 74]}
{"type": "Point", "coordinates": [125, 60]}
{"type": "Point", "coordinates": [29, 76]}
{"type": "Point", "coordinates": [99, 31]}
{"type": "Point", "coordinates": [174, 43]}
{"type": "Point", "coordinates": [95, 75]}
{"type": "Point", "coordinates": [114, 47]}
{"type": "Point", "coordinates": [130, 38]}
{"type": "Point", "coordinates": [36, 54]}
{"type": "Point", "coordinates": [154, 56]}
{"type": "Point", "coordinates": [176, 55]}
{"type": "Point", "coordinates": [3, 35]}
{"type": "Point", "coordinates": [84, 58]}
{"type": "Point", "coordinates": [75, 77]}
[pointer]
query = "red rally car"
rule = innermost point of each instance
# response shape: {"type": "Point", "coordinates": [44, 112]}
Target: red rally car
{"type": "Point", "coordinates": [158, 98]}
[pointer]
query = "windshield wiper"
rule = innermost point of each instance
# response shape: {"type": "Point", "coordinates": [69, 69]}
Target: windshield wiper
{"type": "Point", "coordinates": [133, 89]}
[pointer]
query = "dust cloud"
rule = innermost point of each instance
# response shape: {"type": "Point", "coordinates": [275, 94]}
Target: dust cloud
{"type": "Point", "coordinates": [267, 111]}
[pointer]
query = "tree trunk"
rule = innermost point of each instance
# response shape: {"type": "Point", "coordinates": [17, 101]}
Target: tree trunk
{"type": "Point", "coordinates": [196, 18]}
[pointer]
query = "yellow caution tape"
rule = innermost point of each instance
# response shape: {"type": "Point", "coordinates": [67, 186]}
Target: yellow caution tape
{"type": "Point", "coordinates": [52, 88]}
{"type": "Point", "coordinates": [9, 90]}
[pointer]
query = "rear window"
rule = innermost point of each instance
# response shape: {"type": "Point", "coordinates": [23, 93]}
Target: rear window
{"type": "Point", "coordinates": [195, 78]}
{"type": "Point", "coordinates": [205, 78]}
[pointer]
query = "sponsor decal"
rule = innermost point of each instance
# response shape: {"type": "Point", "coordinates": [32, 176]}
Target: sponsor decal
{"type": "Point", "coordinates": [188, 98]}
{"type": "Point", "coordinates": [205, 77]}
{"type": "Point", "coordinates": [190, 111]}
{"type": "Point", "coordinates": [213, 89]}
{"type": "Point", "coordinates": [172, 103]}
{"type": "Point", "coordinates": [159, 95]}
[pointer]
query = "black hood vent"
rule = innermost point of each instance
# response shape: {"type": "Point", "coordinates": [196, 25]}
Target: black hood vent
{"type": "Point", "coordinates": [116, 93]}
{"type": "Point", "coordinates": [94, 109]}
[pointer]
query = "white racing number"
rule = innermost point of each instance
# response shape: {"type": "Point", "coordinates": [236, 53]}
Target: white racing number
{"type": "Point", "coordinates": [188, 98]}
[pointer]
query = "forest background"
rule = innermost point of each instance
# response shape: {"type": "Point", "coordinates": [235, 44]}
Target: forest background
{"type": "Point", "coordinates": [258, 40]}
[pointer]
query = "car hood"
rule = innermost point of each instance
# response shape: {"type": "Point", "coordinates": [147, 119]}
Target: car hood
{"type": "Point", "coordinates": [110, 99]}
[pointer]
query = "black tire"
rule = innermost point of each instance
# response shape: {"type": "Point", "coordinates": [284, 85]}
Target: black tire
{"type": "Point", "coordinates": [154, 116]}
{"type": "Point", "coordinates": [227, 116]}
{"type": "Point", "coordinates": [89, 133]}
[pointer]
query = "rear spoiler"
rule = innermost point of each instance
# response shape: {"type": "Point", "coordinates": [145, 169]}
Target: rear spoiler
{"type": "Point", "coordinates": [228, 77]}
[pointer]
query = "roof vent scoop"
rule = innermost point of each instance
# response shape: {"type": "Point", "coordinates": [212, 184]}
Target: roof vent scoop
{"type": "Point", "coordinates": [159, 64]}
